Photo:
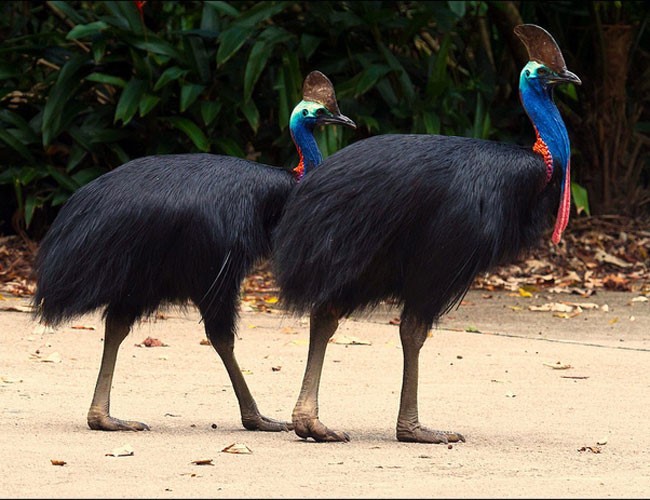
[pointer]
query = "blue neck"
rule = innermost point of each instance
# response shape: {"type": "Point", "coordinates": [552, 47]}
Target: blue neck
{"type": "Point", "coordinates": [303, 137]}
{"type": "Point", "coordinates": [538, 102]}
{"type": "Point", "coordinates": [302, 133]}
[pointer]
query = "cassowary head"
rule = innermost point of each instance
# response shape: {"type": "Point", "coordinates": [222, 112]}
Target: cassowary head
{"type": "Point", "coordinates": [546, 67]}
{"type": "Point", "coordinates": [318, 105]}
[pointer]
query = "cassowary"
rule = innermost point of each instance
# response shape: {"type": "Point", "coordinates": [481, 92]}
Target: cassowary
{"type": "Point", "coordinates": [414, 218]}
{"type": "Point", "coordinates": [169, 230]}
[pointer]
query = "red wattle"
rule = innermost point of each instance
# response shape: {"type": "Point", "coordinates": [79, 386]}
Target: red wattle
{"type": "Point", "coordinates": [565, 207]}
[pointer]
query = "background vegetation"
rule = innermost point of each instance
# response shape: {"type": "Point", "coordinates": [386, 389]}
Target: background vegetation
{"type": "Point", "coordinates": [86, 86]}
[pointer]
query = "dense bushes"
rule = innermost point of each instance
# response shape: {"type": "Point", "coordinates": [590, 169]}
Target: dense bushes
{"type": "Point", "coordinates": [86, 86]}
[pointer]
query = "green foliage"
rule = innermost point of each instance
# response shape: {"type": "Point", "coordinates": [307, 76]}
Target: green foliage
{"type": "Point", "coordinates": [86, 86]}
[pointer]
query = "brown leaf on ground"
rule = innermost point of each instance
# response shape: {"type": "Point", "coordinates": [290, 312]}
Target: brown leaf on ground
{"type": "Point", "coordinates": [238, 449]}
{"type": "Point", "coordinates": [593, 449]}
{"type": "Point", "coordinates": [151, 342]}
{"type": "Point", "coordinates": [206, 461]}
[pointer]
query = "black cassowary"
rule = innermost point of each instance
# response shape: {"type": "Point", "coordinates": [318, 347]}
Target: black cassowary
{"type": "Point", "coordinates": [414, 218]}
{"type": "Point", "coordinates": [168, 230]}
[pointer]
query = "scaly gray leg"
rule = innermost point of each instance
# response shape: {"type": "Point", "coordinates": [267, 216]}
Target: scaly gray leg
{"type": "Point", "coordinates": [413, 334]}
{"type": "Point", "coordinates": [250, 415]}
{"type": "Point", "coordinates": [322, 326]}
{"type": "Point", "coordinates": [99, 418]}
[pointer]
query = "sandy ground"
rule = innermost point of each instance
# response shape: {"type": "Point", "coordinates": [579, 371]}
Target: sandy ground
{"type": "Point", "coordinates": [532, 429]}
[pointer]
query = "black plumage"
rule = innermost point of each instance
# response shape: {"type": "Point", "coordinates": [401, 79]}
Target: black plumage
{"type": "Point", "coordinates": [173, 229]}
{"type": "Point", "coordinates": [430, 210]}
{"type": "Point", "coordinates": [414, 218]}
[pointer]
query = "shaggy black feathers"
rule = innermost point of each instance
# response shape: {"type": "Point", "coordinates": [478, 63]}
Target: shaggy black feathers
{"type": "Point", "coordinates": [161, 229]}
{"type": "Point", "coordinates": [408, 217]}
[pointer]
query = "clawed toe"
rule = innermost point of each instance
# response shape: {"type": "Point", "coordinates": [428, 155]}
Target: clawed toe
{"type": "Point", "coordinates": [314, 428]}
{"type": "Point", "coordinates": [265, 424]}
{"type": "Point", "coordinates": [108, 423]}
{"type": "Point", "coordinates": [418, 434]}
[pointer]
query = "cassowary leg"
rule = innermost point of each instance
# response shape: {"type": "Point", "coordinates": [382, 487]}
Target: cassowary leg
{"type": "Point", "coordinates": [323, 324]}
{"type": "Point", "coordinates": [99, 419]}
{"type": "Point", "coordinates": [413, 333]}
{"type": "Point", "coordinates": [250, 415]}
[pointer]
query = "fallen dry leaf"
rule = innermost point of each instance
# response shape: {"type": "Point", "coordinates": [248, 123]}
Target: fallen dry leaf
{"type": "Point", "coordinates": [151, 342]}
{"type": "Point", "coordinates": [207, 461]}
{"type": "Point", "coordinates": [238, 449]}
{"type": "Point", "coordinates": [57, 462]}
{"type": "Point", "coordinates": [593, 449]}
{"type": "Point", "coordinates": [82, 327]}
{"type": "Point", "coordinates": [123, 451]}
{"type": "Point", "coordinates": [558, 366]}
{"type": "Point", "coordinates": [346, 340]}
{"type": "Point", "coordinates": [54, 357]}
{"type": "Point", "coordinates": [583, 305]}
{"type": "Point", "coordinates": [205, 342]}
{"type": "Point", "coordinates": [552, 306]}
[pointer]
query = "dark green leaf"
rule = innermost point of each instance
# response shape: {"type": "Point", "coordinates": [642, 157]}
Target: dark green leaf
{"type": "Point", "coordinates": [189, 128]}
{"type": "Point", "coordinates": [261, 11]}
{"type": "Point", "coordinates": [67, 81]}
{"type": "Point", "coordinates": [252, 114]}
{"type": "Point", "coordinates": [76, 155]}
{"type": "Point", "coordinates": [68, 10]}
{"type": "Point", "coordinates": [229, 147]}
{"type": "Point", "coordinates": [223, 8]}
{"type": "Point", "coordinates": [457, 7]}
{"type": "Point", "coordinates": [15, 144]}
{"type": "Point", "coordinates": [189, 93]}
{"type": "Point", "coordinates": [259, 55]}
{"type": "Point", "coordinates": [30, 206]}
{"type": "Point", "coordinates": [230, 41]}
{"type": "Point", "coordinates": [147, 103]}
{"type": "Point", "coordinates": [129, 101]}
{"type": "Point", "coordinates": [580, 198]}
{"type": "Point", "coordinates": [88, 174]}
{"type": "Point", "coordinates": [62, 179]}
{"type": "Point", "coordinates": [209, 111]}
{"type": "Point", "coordinates": [108, 79]}
{"type": "Point", "coordinates": [170, 74]}
{"type": "Point", "coordinates": [84, 30]}
{"type": "Point", "coordinates": [309, 44]}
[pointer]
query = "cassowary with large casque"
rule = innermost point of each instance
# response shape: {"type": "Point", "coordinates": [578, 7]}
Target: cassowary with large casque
{"type": "Point", "coordinates": [414, 218]}
{"type": "Point", "coordinates": [173, 229]}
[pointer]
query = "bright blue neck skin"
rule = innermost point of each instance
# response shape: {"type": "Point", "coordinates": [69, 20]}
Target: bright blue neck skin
{"type": "Point", "coordinates": [302, 133]}
{"type": "Point", "coordinates": [537, 99]}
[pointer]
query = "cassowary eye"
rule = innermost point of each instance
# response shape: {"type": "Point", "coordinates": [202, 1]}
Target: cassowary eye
{"type": "Point", "coordinates": [320, 112]}
{"type": "Point", "coordinates": [305, 112]}
{"type": "Point", "coordinates": [542, 71]}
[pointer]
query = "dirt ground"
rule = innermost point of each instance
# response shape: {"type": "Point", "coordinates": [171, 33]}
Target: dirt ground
{"type": "Point", "coordinates": [552, 403]}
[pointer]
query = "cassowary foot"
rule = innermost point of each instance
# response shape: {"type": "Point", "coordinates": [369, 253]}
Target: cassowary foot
{"type": "Point", "coordinates": [108, 423]}
{"type": "Point", "coordinates": [419, 434]}
{"type": "Point", "coordinates": [265, 424]}
{"type": "Point", "coordinates": [314, 428]}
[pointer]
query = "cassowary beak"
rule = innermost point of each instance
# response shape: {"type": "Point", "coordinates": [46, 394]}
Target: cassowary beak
{"type": "Point", "coordinates": [336, 119]}
{"type": "Point", "coordinates": [565, 76]}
